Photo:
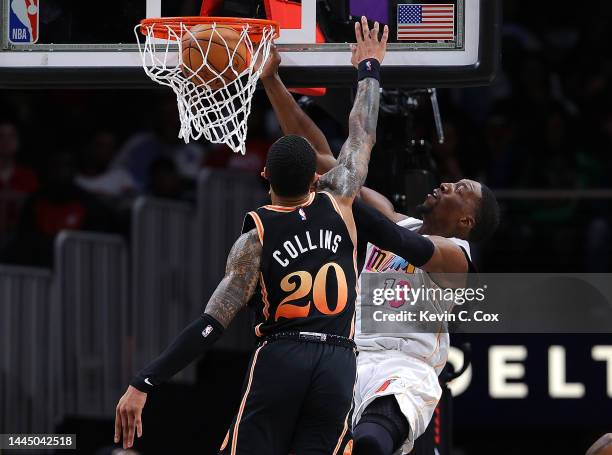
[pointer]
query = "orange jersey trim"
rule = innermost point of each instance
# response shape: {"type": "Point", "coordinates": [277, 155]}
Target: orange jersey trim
{"type": "Point", "coordinates": [225, 441]}
{"type": "Point", "coordinates": [243, 403]}
{"type": "Point", "coordinates": [264, 297]}
{"type": "Point", "coordinates": [333, 201]}
{"type": "Point", "coordinates": [341, 438]}
{"type": "Point", "coordinates": [286, 208]}
{"type": "Point", "coordinates": [337, 208]}
{"type": "Point", "coordinates": [357, 290]}
{"type": "Point", "coordinates": [346, 424]}
{"type": "Point", "coordinates": [348, 449]}
{"type": "Point", "coordinates": [258, 225]}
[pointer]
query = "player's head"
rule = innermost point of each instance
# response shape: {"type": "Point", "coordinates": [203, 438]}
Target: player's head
{"type": "Point", "coordinates": [466, 209]}
{"type": "Point", "coordinates": [291, 167]}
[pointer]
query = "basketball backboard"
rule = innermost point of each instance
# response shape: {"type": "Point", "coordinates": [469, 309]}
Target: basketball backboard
{"type": "Point", "coordinates": [434, 43]}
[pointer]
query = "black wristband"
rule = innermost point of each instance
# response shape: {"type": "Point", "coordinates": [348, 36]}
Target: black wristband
{"type": "Point", "coordinates": [192, 342]}
{"type": "Point", "coordinates": [370, 67]}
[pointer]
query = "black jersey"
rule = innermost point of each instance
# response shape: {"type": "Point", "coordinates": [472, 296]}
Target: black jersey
{"type": "Point", "coordinates": [308, 275]}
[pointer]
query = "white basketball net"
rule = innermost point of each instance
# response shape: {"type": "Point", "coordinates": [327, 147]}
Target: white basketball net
{"type": "Point", "coordinates": [217, 110]}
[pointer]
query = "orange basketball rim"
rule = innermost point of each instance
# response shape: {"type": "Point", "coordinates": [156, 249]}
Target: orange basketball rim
{"type": "Point", "coordinates": [214, 101]}
{"type": "Point", "coordinates": [160, 26]}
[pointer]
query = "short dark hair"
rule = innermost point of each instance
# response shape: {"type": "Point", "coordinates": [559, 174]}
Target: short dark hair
{"type": "Point", "coordinates": [487, 216]}
{"type": "Point", "coordinates": [291, 164]}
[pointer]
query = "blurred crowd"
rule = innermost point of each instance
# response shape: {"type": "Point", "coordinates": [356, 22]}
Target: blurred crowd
{"type": "Point", "coordinates": [546, 123]}
{"type": "Point", "coordinates": [77, 159]}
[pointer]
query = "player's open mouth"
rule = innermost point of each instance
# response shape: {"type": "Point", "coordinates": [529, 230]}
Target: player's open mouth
{"type": "Point", "coordinates": [434, 195]}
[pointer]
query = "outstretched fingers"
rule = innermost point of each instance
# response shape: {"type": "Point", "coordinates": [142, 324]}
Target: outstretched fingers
{"type": "Point", "coordinates": [370, 43]}
{"type": "Point", "coordinates": [385, 36]}
{"type": "Point", "coordinates": [118, 424]}
{"type": "Point", "coordinates": [374, 31]}
{"type": "Point", "coordinates": [358, 33]}
{"type": "Point", "coordinates": [365, 28]}
{"type": "Point", "coordinates": [129, 441]}
{"type": "Point", "coordinates": [124, 427]}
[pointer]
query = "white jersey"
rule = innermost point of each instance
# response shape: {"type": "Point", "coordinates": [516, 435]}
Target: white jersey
{"type": "Point", "coordinates": [431, 348]}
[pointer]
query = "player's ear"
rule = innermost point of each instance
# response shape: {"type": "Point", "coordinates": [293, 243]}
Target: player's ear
{"type": "Point", "coordinates": [315, 181]}
{"type": "Point", "coordinates": [467, 222]}
{"type": "Point", "coordinates": [264, 173]}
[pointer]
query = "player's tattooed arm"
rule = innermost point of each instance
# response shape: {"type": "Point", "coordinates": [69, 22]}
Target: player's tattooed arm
{"type": "Point", "coordinates": [347, 178]}
{"type": "Point", "coordinates": [231, 295]}
{"type": "Point", "coordinates": [240, 280]}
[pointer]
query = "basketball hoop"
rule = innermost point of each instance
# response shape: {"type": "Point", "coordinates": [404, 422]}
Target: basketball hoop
{"type": "Point", "coordinates": [213, 102]}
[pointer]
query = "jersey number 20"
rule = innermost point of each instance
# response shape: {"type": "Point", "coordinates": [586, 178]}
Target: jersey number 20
{"type": "Point", "coordinates": [319, 294]}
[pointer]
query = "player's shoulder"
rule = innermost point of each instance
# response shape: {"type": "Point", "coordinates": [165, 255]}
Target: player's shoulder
{"type": "Point", "coordinates": [410, 223]}
{"type": "Point", "coordinates": [464, 245]}
{"type": "Point", "coordinates": [414, 223]}
{"type": "Point", "coordinates": [329, 199]}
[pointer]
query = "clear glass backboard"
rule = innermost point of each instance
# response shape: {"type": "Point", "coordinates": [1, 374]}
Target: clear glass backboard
{"type": "Point", "coordinates": [69, 43]}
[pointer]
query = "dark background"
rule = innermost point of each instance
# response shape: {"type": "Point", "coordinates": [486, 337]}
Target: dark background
{"type": "Point", "coordinates": [545, 124]}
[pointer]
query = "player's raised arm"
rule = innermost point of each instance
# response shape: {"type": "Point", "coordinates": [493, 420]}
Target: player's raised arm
{"type": "Point", "coordinates": [232, 294]}
{"type": "Point", "coordinates": [291, 118]}
{"type": "Point", "coordinates": [433, 254]}
{"type": "Point", "coordinates": [346, 179]}
{"type": "Point", "coordinates": [381, 203]}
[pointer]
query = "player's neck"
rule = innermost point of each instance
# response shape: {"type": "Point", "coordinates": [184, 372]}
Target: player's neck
{"type": "Point", "coordinates": [289, 201]}
{"type": "Point", "coordinates": [430, 228]}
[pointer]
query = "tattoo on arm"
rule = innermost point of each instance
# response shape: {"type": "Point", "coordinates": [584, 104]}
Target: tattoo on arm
{"type": "Point", "coordinates": [352, 169]}
{"type": "Point", "coordinates": [240, 280]}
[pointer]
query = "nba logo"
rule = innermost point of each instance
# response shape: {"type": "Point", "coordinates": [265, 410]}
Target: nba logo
{"type": "Point", "coordinates": [302, 214]}
{"type": "Point", "coordinates": [23, 21]}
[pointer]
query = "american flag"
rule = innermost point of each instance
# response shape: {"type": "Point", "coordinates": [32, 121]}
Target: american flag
{"type": "Point", "coordinates": [417, 22]}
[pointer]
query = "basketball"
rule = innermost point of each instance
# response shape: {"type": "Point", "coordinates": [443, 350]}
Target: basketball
{"type": "Point", "coordinates": [217, 44]}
